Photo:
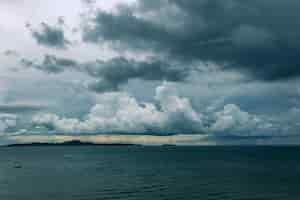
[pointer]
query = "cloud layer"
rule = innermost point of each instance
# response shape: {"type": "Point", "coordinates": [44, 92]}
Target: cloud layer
{"type": "Point", "coordinates": [242, 35]}
{"type": "Point", "coordinates": [7, 121]}
{"type": "Point", "coordinates": [50, 36]}
{"type": "Point", "coordinates": [121, 113]}
{"type": "Point", "coordinates": [113, 73]}
{"type": "Point", "coordinates": [227, 69]}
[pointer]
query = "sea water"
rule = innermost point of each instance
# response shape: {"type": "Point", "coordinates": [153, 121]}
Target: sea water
{"type": "Point", "coordinates": [149, 173]}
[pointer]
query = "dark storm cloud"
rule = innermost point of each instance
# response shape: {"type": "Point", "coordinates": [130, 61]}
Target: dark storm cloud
{"type": "Point", "coordinates": [50, 36]}
{"type": "Point", "coordinates": [111, 74]}
{"type": "Point", "coordinates": [125, 28]}
{"type": "Point", "coordinates": [260, 37]}
{"type": "Point", "coordinates": [118, 71]}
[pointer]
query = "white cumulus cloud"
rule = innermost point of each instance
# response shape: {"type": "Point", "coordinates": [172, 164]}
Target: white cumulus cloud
{"type": "Point", "coordinates": [233, 120]}
{"type": "Point", "coordinates": [120, 112]}
{"type": "Point", "coordinates": [7, 121]}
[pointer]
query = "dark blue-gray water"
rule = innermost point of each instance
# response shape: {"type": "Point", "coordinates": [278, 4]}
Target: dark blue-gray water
{"type": "Point", "coordinates": [154, 173]}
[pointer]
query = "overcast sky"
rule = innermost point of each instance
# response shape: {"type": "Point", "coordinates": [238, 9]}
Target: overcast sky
{"type": "Point", "coordinates": [228, 70]}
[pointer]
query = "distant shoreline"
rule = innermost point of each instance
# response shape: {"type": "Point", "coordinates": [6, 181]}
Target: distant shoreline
{"type": "Point", "coordinates": [79, 143]}
{"type": "Point", "coordinates": [148, 140]}
{"type": "Point", "coordinates": [68, 143]}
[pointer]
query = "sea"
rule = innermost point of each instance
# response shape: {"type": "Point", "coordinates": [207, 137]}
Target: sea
{"type": "Point", "coordinates": [150, 172]}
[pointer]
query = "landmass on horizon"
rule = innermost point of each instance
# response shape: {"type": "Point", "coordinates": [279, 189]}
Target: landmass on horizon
{"type": "Point", "coordinates": [68, 143]}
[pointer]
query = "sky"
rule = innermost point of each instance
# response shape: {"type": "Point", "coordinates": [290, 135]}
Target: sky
{"type": "Point", "coordinates": [161, 71]}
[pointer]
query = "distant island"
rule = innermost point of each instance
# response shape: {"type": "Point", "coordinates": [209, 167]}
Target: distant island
{"type": "Point", "coordinates": [69, 143]}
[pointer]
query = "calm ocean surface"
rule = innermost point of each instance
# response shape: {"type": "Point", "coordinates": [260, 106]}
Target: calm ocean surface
{"type": "Point", "coordinates": [150, 173]}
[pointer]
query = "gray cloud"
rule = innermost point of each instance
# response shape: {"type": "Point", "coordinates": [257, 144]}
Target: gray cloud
{"type": "Point", "coordinates": [88, 1]}
{"type": "Point", "coordinates": [19, 108]}
{"type": "Point", "coordinates": [10, 52]}
{"type": "Point", "coordinates": [118, 71]}
{"type": "Point", "coordinates": [111, 74]}
{"type": "Point", "coordinates": [50, 36]}
{"type": "Point", "coordinates": [50, 64]}
{"type": "Point", "coordinates": [242, 34]}
{"type": "Point", "coordinates": [232, 120]}
{"type": "Point", "coordinates": [7, 121]}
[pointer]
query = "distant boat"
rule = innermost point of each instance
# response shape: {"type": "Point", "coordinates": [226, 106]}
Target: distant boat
{"type": "Point", "coordinates": [17, 165]}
